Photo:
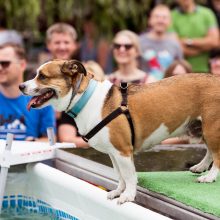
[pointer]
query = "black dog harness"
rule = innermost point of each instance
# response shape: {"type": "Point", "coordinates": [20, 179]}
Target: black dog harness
{"type": "Point", "coordinates": [123, 109]}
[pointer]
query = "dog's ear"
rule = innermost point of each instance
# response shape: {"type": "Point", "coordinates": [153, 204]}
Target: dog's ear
{"type": "Point", "coordinates": [72, 67]}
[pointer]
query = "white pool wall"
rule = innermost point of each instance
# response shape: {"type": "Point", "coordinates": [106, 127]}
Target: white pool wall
{"type": "Point", "coordinates": [79, 198]}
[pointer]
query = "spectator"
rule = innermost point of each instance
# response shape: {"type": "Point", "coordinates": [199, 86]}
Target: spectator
{"type": "Point", "coordinates": [61, 43]}
{"type": "Point", "coordinates": [215, 62]}
{"type": "Point", "coordinates": [92, 66]}
{"type": "Point", "coordinates": [198, 33]}
{"type": "Point", "coordinates": [14, 116]}
{"type": "Point", "coordinates": [214, 5]}
{"type": "Point", "coordinates": [159, 48]}
{"type": "Point", "coordinates": [93, 47]}
{"type": "Point", "coordinates": [178, 67]}
{"type": "Point", "coordinates": [126, 50]}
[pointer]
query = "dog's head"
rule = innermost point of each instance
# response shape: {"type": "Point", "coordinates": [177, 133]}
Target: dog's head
{"type": "Point", "coordinates": [54, 84]}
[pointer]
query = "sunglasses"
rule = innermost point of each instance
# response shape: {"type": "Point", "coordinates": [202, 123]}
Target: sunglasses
{"type": "Point", "coordinates": [126, 46]}
{"type": "Point", "coordinates": [5, 64]}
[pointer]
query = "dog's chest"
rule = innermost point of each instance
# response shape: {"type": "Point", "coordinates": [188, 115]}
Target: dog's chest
{"type": "Point", "coordinates": [101, 141]}
{"type": "Point", "coordinates": [91, 115]}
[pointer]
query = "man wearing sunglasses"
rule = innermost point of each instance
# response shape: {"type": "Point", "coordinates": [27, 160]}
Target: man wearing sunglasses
{"type": "Point", "coordinates": [14, 117]}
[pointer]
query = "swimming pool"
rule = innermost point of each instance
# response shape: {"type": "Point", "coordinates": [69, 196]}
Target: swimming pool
{"type": "Point", "coordinates": [22, 199]}
{"type": "Point", "coordinates": [48, 191]}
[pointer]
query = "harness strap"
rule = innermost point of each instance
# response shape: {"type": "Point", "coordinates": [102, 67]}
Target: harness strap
{"type": "Point", "coordinates": [123, 109]}
{"type": "Point", "coordinates": [104, 122]}
{"type": "Point", "coordinates": [124, 87]}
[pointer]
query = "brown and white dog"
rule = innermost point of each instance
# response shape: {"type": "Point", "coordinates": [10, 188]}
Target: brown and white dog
{"type": "Point", "coordinates": [168, 108]}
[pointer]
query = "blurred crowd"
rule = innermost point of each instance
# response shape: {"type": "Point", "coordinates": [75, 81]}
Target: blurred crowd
{"type": "Point", "coordinates": [178, 41]}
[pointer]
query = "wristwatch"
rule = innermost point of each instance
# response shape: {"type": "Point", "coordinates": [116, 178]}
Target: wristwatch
{"type": "Point", "coordinates": [189, 42]}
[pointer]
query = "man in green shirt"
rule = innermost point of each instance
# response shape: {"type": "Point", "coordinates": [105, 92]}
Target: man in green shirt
{"type": "Point", "coordinates": [197, 30]}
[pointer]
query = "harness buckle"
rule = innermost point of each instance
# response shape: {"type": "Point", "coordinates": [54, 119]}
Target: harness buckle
{"type": "Point", "coordinates": [123, 85]}
{"type": "Point", "coordinates": [124, 108]}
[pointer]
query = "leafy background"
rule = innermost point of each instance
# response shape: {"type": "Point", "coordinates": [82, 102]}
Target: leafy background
{"type": "Point", "coordinates": [32, 17]}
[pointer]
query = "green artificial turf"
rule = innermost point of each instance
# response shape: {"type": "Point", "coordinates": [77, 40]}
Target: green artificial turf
{"type": "Point", "coordinates": [182, 187]}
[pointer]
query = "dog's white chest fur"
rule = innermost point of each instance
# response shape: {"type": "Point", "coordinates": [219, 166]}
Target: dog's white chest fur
{"type": "Point", "coordinates": [91, 115]}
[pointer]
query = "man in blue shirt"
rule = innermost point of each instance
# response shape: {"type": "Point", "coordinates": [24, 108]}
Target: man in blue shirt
{"type": "Point", "coordinates": [14, 116]}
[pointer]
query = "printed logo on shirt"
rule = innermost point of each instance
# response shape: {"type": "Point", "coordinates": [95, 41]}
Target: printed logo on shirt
{"type": "Point", "coordinates": [13, 125]}
{"type": "Point", "coordinates": [157, 62]}
{"type": "Point", "coordinates": [165, 58]}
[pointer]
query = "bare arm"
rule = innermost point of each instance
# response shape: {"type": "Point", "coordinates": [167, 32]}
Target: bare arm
{"type": "Point", "coordinates": [175, 140]}
{"type": "Point", "coordinates": [210, 41]}
{"type": "Point", "coordinates": [190, 51]}
{"type": "Point", "coordinates": [41, 139]}
{"type": "Point", "coordinates": [67, 133]}
{"type": "Point", "coordinates": [103, 50]}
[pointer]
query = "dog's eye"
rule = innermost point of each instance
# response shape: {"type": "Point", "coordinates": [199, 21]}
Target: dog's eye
{"type": "Point", "coordinates": [41, 77]}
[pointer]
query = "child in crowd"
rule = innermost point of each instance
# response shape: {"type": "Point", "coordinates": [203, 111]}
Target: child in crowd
{"type": "Point", "coordinates": [214, 62]}
{"type": "Point", "coordinates": [178, 67]}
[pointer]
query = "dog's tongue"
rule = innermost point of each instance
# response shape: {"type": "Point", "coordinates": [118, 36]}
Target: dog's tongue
{"type": "Point", "coordinates": [32, 101]}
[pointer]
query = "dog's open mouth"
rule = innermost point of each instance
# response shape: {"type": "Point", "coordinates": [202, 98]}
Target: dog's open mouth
{"type": "Point", "coordinates": [39, 100]}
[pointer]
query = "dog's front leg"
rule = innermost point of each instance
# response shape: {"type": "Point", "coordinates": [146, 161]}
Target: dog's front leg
{"type": "Point", "coordinates": [121, 185]}
{"type": "Point", "coordinates": [128, 174]}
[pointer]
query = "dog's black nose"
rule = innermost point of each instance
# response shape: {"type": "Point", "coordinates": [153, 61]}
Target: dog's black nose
{"type": "Point", "coordinates": [22, 86]}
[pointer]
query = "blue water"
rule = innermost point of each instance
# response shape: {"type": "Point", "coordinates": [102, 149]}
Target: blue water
{"type": "Point", "coordinates": [21, 206]}
{"type": "Point", "coordinates": [25, 207]}
{"type": "Point", "coordinates": [23, 214]}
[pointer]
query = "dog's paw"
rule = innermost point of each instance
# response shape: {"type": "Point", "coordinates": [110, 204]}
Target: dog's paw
{"type": "Point", "coordinates": [126, 197]}
{"type": "Point", "coordinates": [198, 169]}
{"type": "Point", "coordinates": [113, 194]}
{"type": "Point", "coordinates": [206, 179]}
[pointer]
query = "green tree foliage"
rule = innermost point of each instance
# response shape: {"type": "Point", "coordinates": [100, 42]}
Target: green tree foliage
{"type": "Point", "coordinates": [21, 14]}
{"type": "Point", "coordinates": [34, 16]}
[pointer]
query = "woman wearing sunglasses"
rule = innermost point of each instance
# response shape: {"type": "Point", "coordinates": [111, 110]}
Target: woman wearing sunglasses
{"type": "Point", "coordinates": [126, 51]}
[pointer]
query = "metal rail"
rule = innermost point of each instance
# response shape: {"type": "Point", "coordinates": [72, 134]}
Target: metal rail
{"type": "Point", "coordinates": [6, 162]}
{"type": "Point", "coordinates": [4, 170]}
